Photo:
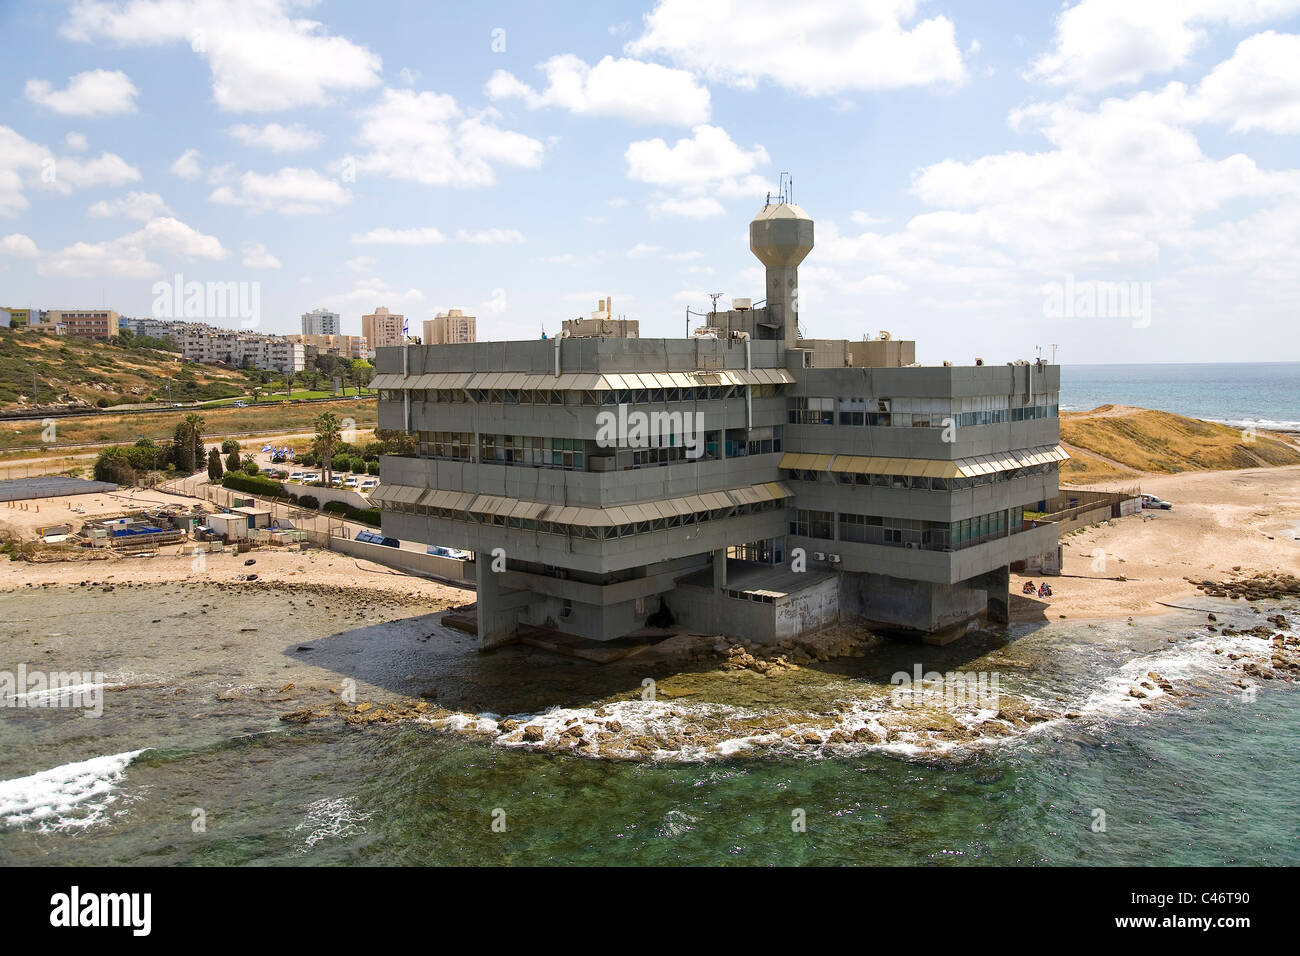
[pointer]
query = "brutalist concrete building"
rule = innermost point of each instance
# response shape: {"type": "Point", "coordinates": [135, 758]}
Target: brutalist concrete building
{"type": "Point", "coordinates": [742, 481]}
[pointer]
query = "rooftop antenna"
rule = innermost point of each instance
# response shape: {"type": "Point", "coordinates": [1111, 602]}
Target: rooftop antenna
{"type": "Point", "coordinates": [715, 296]}
{"type": "Point", "coordinates": [787, 188]}
{"type": "Point", "coordinates": [1055, 346]}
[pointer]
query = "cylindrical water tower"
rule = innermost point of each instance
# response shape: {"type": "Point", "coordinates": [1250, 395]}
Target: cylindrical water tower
{"type": "Point", "coordinates": [781, 235]}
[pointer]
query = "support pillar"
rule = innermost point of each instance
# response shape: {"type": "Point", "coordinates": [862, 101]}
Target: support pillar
{"type": "Point", "coordinates": [497, 625]}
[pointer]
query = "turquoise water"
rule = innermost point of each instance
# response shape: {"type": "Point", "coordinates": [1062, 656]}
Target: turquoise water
{"type": "Point", "coordinates": [1266, 394]}
{"type": "Point", "coordinates": [1215, 783]}
{"type": "Point", "coordinates": [1206, 776]}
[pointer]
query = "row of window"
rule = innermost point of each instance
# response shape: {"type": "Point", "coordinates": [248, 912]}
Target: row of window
{"type": "Point", "coordinates": [906, 532]}
{"type": "Point", "coordinates": [920, 412]}
{"type": "Point", "coordinates": [574, 453]}
{"type": "Point", "coordinates": [556, 396]}
{"type": "Point", "coordinates": [582, 531]}
{"type": "Point", "coordinates": [917, 483]}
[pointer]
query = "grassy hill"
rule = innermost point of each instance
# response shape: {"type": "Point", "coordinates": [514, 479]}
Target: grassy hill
{"type": "Point", "coordinates": [88, 372]}
{"type": "Point", "coordinates": [1115, 442]}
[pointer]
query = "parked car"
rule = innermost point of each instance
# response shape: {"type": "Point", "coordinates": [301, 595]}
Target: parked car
{"type": "Point", "coordinates": [295, 476]}
{"type": "Point", "coordinates": [442, 552]}
{"type": "Point", "coordinates": [374, 537]}
{"type": "Point", "coordinates": [368, 484]}
{"type": "Point", "coordinates": [239, 405]}
{"type": "Point", "coordinates": [350, 482]}
{"type": "Point", "coordinates": [1151, 501]}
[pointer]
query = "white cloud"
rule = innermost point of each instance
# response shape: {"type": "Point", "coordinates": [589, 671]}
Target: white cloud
{"type": "Point", "coordinates": [289, 191]}
{"type": "Point", "coordinates": [187, 165]}
{"type": "Point", "coordinates": [382, 235]}
{"type": "Point", "coordinates": [828, 47]}
{"type": "Point", "coordinates": [261, 55]}
{"type": "Point", "coordinates": [709, 159]}
{"type": "Point", "coordinates": [624, 88]}
{"type": "Point", "coordinates": [276, 137]}
{"type": "Point", "coordinates": [490, 237]}
{"type": "Point", "coordinates": [142, 206]}
{"type": "Point", "coordinates": [642, 251]}
{"type": "Point", "coordinates": [427, 138]}
{"type": "Point", "coordinates": [76, 142]}
{"type": "Point", "coordinates": [361, 263]}
{"type": "Point", "coordinates": [1257, 88]}
{"type": "Point", "coordinates": [24, 164]}
{"type": "Point", "coordinates": [369, 292]}
{"type": "Point", "coordinates": [1100, 43]}
{"type": "Point", "coordinates": [93, 93]}
{"type": "Point", "coordinates": [257, 256]}
{"type": "Point", "coordinates": [863, 219]}
{"type": "Point", "coordinates": [127, 256]}
{"type": "Point", "coordinates": [18, 245]}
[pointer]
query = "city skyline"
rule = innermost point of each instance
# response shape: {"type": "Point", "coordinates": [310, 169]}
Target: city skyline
{"type": "Point", "coordinates": [969, 169]}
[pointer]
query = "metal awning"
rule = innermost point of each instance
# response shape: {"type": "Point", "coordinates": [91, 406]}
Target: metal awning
{"type": "Point", "coordinates": [803, 462]}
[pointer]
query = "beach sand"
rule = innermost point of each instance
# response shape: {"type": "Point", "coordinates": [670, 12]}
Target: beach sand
{"type": "Point", "coordinates": [1221, 520]}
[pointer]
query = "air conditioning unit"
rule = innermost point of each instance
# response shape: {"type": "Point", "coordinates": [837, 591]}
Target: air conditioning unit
{"type": "Point", "coordinates": [833, 558]}
{"type": "Point", "coordinates": [819, 555]}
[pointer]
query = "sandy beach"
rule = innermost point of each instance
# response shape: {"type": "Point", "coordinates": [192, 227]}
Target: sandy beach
{"type": "Point", "coordinates": [1221, 520]}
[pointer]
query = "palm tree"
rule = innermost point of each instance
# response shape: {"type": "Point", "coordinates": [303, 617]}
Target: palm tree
{"type": "Point", "coordinates": [328, 435]}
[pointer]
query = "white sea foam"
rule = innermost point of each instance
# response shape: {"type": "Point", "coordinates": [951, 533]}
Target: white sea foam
{"type": "Point", "coordinates": [332, 818]}
{"type": "Point", "coordinates": [73, 796]}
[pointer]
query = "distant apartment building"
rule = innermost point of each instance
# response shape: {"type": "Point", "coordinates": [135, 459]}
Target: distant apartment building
{"type": "Point", "coordinates": [452, 327]}
{"type": "Point", "coordinates": [343, 346]}
{"type": "Point", "coordinates": [93, 323]}
{"type": "Point", "coordinates": [153, 328]}
{"type": "Point", "coordinates": [382, 329]}
{"type": "Point", "coordinates": [18, 318]}
{"type": "Point", "coordinates": [320, 322]}
{"type": "Point", "coordinates": [201, 343]}
{"type": "Point", "coordinates": [602, 324]}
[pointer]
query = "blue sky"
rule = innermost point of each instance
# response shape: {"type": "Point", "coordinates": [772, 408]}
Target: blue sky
{"type": "Point", "coordinates": [964, 164]}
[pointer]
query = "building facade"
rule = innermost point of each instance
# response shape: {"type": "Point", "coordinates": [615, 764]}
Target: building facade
{"type": "Point", "coordinates": [320, 322]}
{"type": "Point", "coordinates": [344, 346]}
{"type": "Point", "coordinates": [383, 329]}
{"type": "Point", "coordinates": [93, 323]}
{"type": "Point", "coordinates": [200, 343]}
{"type": "Point", "coordinates": [452, 327]}
{"type": "Point", "coordinates": [742, 481]}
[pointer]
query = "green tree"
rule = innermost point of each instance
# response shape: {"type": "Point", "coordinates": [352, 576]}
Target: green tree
{"type": "Point", "coordinates": [232, 460]}
{"type": "Point", "coordinates": [360, 374]}
{"type": "Point", "coordinates": [215, 471]}
{"type": "Point", "coordinates": [188, 440]}
{"type": "Point", "coordinates": [329, 433]}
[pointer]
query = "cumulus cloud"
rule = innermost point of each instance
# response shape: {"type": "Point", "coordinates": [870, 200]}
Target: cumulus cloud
{"type": "Point", "coordinates": [382, 235]}
{"type": "Point", "coordinates": [277, 137]}
{"type": "Point", "coordinates": [427, 138]}
{"type": "Point", "coordinates": [257, 256]}
{"type": "Point", "coordinates": [1101, 43]}
{"type": "Point", "coordinates": [624, 88]}
{"type": "Point", "coordinates": [832, 46]}
{"type": "Point", "coordinates": [261, 54]}
{"type": "Point", "coordinates": [25, 164]}
{"type": "Point", "coordinates": [142, 206]}
{"type": "Point", "coordinates": [289, 191]}
{"type": "Point", "coordinates": [124, 257]}
{"type": "Point", "coordinates": [187, 165]}
{"type": "Point", "coordinates": [93, 93]}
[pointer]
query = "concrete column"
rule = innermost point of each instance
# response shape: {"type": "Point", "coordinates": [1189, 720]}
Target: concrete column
{"type": "Point", "coordinates": [997, 585]}
{"type": "Point", "coordinates": [496, 624]}
{"type": "Point", "coordinates": [719, 584]}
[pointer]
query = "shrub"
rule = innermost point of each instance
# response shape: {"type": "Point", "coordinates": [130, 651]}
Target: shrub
{"type": "Point", "coordinates": [228, 446]}
{"type": "Point", "coordinates": [368, 516]}
{"type": "Point", "coordinates": [309, 501]}
{"type": "Point", "coordinates": [255, 484]}
{"type": "Point", "coordinates": [372, 468]}
{"type": "Point", "coordinates": [251, 468]}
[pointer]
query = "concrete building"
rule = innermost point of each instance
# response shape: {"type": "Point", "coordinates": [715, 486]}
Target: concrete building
{"type": "Point", "coordinates": [602, 324]}
{"type": "Point", "coordinates": [202, 343]}
{"type": "Point", "coordinates": [344, 346]}
{"type": "Point", "coordinates": [383, 329]}
{"type": "Point", "coordinates": [94, 323]}
{"type": "Point", "coordinates": [452, 327]}
{"type": "Point", "coordinates": [18, 318]}
{"type": "Point", "coordinates": [154, 328]}
{"type": "Point", "coordinates": [742, 481]}
{"type": "Point", "coordinates": [320, 322]}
